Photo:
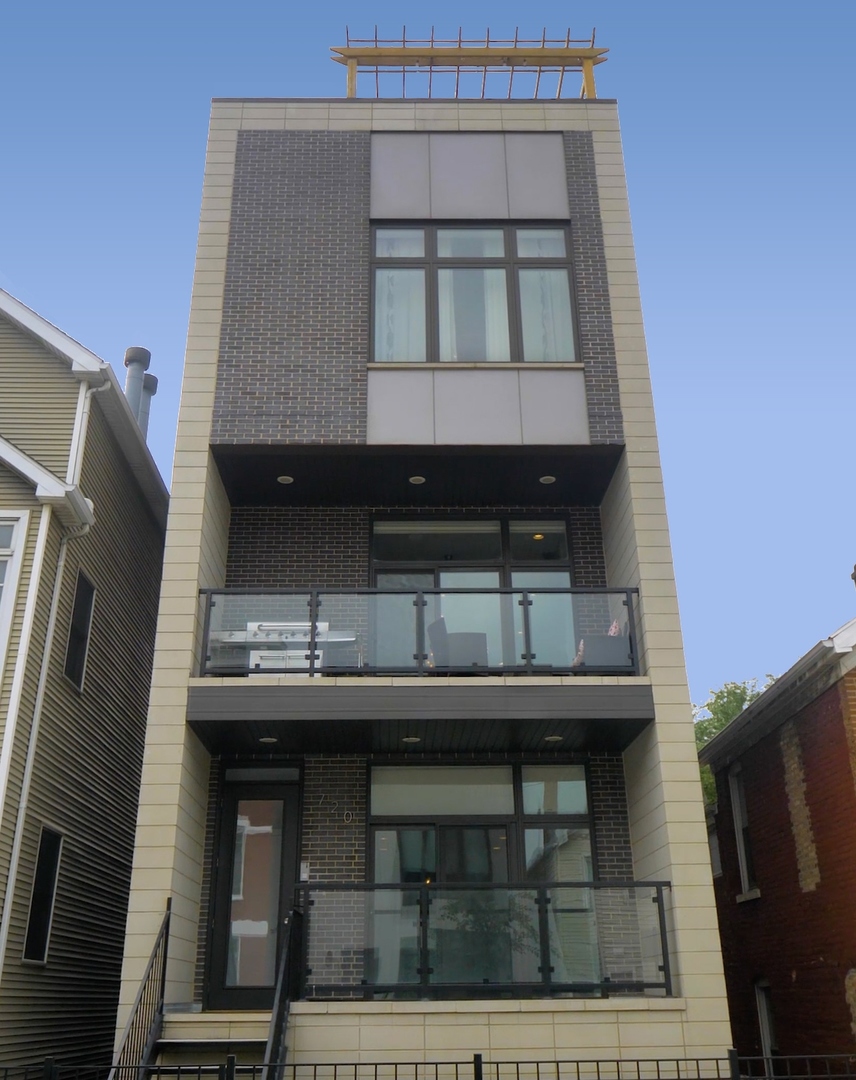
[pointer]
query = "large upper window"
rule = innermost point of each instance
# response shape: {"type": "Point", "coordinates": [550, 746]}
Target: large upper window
{"type": "Point", "coordinates": [490, 294]}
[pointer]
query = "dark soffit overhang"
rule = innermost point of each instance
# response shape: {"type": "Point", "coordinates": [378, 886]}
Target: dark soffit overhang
{"type": "Point", "coordinates": [358, 475]}
{"type": "Point", "coordinates": [446, 719]}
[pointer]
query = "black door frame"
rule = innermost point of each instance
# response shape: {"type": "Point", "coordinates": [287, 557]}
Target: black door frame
{"type": "Point", "coordinates": [217, 994]}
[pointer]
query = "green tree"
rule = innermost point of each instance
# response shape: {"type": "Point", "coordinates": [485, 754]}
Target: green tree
{"type": "Point", "coordinates": [721, 707]}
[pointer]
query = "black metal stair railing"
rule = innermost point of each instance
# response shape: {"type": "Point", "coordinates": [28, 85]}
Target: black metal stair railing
{"type": "Point", "coordinates": [287, 988]}
{"type": "Point", "coordinates": [145, 1023]}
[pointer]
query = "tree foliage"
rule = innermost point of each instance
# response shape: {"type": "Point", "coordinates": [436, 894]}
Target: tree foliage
{"type": "Point", "coordinates": [721, 707]}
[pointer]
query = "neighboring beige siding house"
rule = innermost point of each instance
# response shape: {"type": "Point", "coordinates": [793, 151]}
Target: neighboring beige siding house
{"type": "Point", "coordinates": [82, 516]}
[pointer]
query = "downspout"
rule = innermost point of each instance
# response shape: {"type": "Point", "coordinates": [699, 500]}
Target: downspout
{"type": "Point", "coordinates": [74, 469]}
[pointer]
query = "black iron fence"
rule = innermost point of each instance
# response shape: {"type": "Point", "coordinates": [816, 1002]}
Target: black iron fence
{"type": "Point", "coordinates": [727, 1067]}
{"type": "Point", "coordinates": [464, 940]}
{"type": "Point", "coordinates": [419, 632]}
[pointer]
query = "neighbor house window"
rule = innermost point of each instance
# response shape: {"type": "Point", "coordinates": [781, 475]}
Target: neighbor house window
{"type": "Point", "coordinates": [11, 545]}
{"type": "Point", "coordinates": [491, 294]}
{"type": "Point", "coordinates": [748, 880]}
{"type": "Point", "coordinates": [43, 895]}
{"type": "Point", "coordinates": [78, 634]}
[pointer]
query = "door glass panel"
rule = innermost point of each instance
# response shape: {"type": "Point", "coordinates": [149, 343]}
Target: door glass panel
{"type": "Point", "coordinates": [545, 312]}
{"type": "Point", "coordinates": [551, 616]}
{"type": "Point", "coordinates": [399, 315]}
{"type": "Point", "coordinates": [470, 634]}
{"type": "Point", "coordinates": [254, 906]}
{"type": "Point", "coordinates": [558, 854]}
{"type": "Point", "coordinates": [438, 790]}
{"type": "Point", "coordinates": [473, 316]}
{"type": "Point", "coordinates": [554, 789]}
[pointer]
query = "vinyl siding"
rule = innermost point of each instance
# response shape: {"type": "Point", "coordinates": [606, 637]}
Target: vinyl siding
{"type": "Point", "coordinates": [36, 384]}
{"type": "Point", "coordinates": [86, 776]}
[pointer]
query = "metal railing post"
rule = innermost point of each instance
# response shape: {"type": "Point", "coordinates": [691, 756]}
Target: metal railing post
{"type": "Point", "coordinates": [478, 1067]}
{"type": "Point", "coordinates": [733, 1064]}
{"type": "Point", "coordinates": [49, 1069]}
{"type": "Point", "coordinates": [421, 654]}
{"type": "Point", "coordinates": [528, 656]}
{"type": "Point", "coordinates": [664, 940]}
{"type": "Point", "coordinates": [314, 604]}
{"type": "Point", "coordinates": [230, 1066]}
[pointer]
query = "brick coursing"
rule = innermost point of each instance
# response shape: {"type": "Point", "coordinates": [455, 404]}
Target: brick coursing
{"type": "Point", "coordinates": [297, 547]}
{"type": "Point", "coordinates": [594, 315]}
{"type": "Point", "coordinates": [802, 943]}
{"type": "Point", "coordinates": [294, 336]}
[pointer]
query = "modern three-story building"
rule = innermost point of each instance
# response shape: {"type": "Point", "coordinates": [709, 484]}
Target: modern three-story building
{"type": "Point", "coordinates": [419, 671]}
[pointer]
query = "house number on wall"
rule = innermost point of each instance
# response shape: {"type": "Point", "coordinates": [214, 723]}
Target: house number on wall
{"type": "Point", "coordinates": [347, 816]}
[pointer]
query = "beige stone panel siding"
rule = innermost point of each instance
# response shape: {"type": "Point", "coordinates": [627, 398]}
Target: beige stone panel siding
{"type": "Point", "coordinates": [664, 798]}
{"type": "Point", "coordinates": [527, 1031]}
{"type": "Point", "coordinates": [808, 868]}
{"type": "Point", "coordinates": [38, 402]}
{"type": "Point", "coordinates": [173, 796]}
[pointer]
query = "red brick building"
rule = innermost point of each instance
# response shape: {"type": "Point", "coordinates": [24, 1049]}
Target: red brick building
{"type": "Point", "coordinates": [785, 827]}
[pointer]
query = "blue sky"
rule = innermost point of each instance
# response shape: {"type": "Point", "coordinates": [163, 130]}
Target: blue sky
{"type": "Point", "coordinates": [738, 131]}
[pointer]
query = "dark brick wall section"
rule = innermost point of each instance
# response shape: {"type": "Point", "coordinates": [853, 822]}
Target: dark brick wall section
{"type": "Point", "coordinates": [297, 547]}
{"type": "Point", "coordinates": [334, 818]}
{"type": "Point", "coordinates": [609, 811]}
{"type": "Point", "coordinates": [592, 291]}
{"type": "Point", "coordinates": [294, 337]}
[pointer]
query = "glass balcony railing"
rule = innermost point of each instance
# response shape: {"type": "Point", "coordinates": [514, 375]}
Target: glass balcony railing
{"type": "Point", "coordinates": [419, 632]}
{"type": "Point", "coordinates": [436, 940]}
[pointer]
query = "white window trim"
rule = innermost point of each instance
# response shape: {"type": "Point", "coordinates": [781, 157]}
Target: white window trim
{"type": "Point", "coordinates": [748, 889]}
{"type": "Point", "coordinates": [20, 521]}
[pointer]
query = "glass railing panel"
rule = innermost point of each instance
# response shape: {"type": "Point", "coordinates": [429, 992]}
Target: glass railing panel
{"type": "Point", "coordinates": [392, 954]}
{"type": "Point", "coordinates": [258, 633]}
{"type": "Point", "coordinates": [483, 936]}
{"type": "Point", "coordinates": [391, 642]}
{"type": "Point", "coordinates": [464, 629]}
{"type": "Point", "coordinates": [572, 931]}
{"type": "Point", "coordinates": [629, 935]}
{"type": "Point", "coordinates": [551, 628]}
{"type": "Point", "coordinates": [344, 622]}
{"type": "Point", "coordinates": [602, 631]}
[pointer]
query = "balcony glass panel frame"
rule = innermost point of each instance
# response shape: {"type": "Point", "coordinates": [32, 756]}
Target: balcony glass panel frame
{"type": "Point", "coordinates": [459, 941]}
{"type": "Point", "coordinates": [419, 632]}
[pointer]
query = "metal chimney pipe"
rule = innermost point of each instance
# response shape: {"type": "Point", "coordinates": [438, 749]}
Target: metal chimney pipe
{"type": "Point", "coordinates": [150, 388]}
{"type": "Point", "coordinates": [137, 361]}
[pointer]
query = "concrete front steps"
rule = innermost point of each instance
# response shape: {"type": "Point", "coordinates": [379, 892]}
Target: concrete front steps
{"type": "Point", "coordinates": [206, 1038]}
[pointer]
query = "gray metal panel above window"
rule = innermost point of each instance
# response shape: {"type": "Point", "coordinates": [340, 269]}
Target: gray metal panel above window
{"type": "Point", "coordinates": [537, 183]}
{"type": "Point", "coordinates": [400, 176]}
{"type": "Point", "coordinates": [468, 176]}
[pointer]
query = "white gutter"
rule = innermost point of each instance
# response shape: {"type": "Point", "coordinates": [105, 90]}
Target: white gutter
{"type": "Point", "coordinates": [17, 689]}
{"type": "Point", "coordinates": [23, 801]}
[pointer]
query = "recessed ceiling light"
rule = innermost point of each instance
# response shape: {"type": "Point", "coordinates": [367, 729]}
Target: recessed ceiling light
{"type": "Point", "coordinates": [285, 479]}
{"type": "Point", "coordinates": [547, 479]}
{"type": "Point", "coordinates": [553, 738]}
{"type": "Point", "coordinates": [411, 739]}
{"type": "Point", "coordinates": [416, 479]}
{"type": "Point", "coordinates": [537, 536]}
{"type": "Point", "coordinates": [268, 739]}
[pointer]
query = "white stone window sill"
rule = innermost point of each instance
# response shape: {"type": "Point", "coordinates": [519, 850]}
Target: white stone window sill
{"type": "Point", "coordinates": [750, 894]}
{"type": "Point", "coordinates": [421, 365]}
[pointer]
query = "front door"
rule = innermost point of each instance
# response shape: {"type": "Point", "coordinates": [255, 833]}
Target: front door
{"type": "Point", "coordinates": [252, 893]}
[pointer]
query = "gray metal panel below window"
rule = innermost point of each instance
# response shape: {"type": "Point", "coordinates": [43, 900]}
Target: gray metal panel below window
{"type": "Point", "coordinates": [554, 409]}
{"type": "Point", "coordinates": [477, 408]}
{"type": "Point", "coordinates": [364, 718]}
{"type": "Point", "coordinates": [400, 407]}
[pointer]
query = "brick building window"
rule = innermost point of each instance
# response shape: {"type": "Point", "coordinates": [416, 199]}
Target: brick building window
{"type": "Point", "coordinates": [737, 789]}
{"type": "Point", "coordinates": [485, 294]}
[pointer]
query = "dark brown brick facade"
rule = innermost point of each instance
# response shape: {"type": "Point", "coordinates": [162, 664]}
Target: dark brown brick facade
{"type": "Point", "coordinates": [592, 291]}
{"type": "Point", "coordinates": [294, 338]}
{"type": "Point", "coordinates": [277, 548]}
{"type": "Point", "coordinates": [801, 941]}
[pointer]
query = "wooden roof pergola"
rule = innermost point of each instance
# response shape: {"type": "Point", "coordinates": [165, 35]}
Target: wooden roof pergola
{"type": "Point", "coordinates": [471, 56]}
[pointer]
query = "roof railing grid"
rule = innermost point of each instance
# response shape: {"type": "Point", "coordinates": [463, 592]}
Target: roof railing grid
{"type": "Point", "coordinates": [484, 62]}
